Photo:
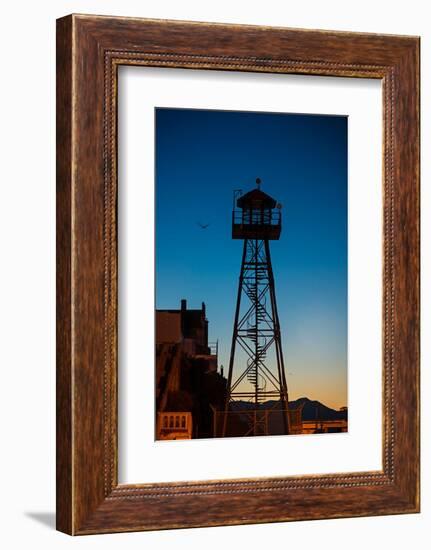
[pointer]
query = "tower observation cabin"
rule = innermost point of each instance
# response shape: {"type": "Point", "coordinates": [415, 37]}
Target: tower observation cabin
{"type": "Point", "coordinates": [256, 215]}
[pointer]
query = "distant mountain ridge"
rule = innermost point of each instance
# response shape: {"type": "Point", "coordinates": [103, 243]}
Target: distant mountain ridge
{"type": "Point", "coordinates": [310, 409]}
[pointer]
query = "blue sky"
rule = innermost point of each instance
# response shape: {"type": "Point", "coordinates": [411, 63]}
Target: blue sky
{"type": "Point", "coordinates": [202, 156]}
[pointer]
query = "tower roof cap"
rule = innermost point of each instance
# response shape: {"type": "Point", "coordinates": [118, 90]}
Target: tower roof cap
{"type": "Point", "coordinates": [256, 199]}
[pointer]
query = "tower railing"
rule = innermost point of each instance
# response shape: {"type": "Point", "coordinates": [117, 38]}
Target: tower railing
{"type": "Point", "coordinates": [239, 217]}
{"type": "Point", "coordinates": [264, 224]}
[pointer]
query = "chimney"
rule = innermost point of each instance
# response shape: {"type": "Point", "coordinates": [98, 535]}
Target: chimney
{"type": "Point", "coordinates": [203, 310]}
{"type": "Point", "coordinates": [182, 316]}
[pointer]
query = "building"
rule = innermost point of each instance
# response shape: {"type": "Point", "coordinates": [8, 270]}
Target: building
{"type": "Point", "coordinates": [187, 379]}
{"type": "Point", "coordinates": [174, 425]}
{"type": "Point", "coordinates": [188, 327]}
{"type": "Point", "coordinates": [324, 426]}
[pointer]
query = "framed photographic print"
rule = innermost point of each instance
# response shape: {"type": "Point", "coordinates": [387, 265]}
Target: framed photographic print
{"type": "Point", "coordinates": [237, 274]}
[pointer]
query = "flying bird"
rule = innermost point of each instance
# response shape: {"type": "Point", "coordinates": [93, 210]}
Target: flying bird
{"type": "Point", "coordinates": [203, 225]}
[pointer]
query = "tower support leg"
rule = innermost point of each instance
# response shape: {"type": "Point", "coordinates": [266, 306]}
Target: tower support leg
{"type": "Point", "coordinates": [234, 339]}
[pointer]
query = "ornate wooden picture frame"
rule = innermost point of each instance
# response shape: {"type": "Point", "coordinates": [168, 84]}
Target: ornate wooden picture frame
{"type": "Point", "coordinates": [89, 51]}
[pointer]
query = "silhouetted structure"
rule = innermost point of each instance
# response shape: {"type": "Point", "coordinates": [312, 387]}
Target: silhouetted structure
{"type": "Point", "coordinates": [188, 386]}
{"type": "Point", "coordinates": [256, 219]}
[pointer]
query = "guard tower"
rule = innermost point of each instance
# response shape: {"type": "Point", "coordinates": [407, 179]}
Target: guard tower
{"type": "Point", "coordinates": [258, 376]}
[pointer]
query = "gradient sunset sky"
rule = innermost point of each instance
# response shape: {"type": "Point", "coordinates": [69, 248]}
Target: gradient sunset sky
{"type": "Point", "coordinates": [202, 156]}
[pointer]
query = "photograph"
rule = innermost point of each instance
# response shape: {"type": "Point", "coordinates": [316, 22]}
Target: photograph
{"type": "Point", "coordinates": [214, 235]}
{"type": "Point", "coordinates": [251, 273]}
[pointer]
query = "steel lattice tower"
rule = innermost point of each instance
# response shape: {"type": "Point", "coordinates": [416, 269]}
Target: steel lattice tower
{"type": "Point", "coordinates": [256, 219]}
